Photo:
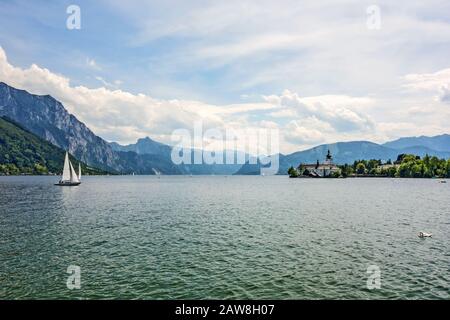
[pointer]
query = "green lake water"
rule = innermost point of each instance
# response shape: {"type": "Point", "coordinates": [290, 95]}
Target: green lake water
{"type": "Point", "coordinates": [215, 237]}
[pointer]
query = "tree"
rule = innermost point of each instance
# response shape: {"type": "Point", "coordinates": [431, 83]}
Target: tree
{"type": "Point", "coordinates": [404, 170]}
{"type": "Point", "coordinates": [346, 170]}
{"type": "Point", "coordinates": [40, 169]}
{"type": "Point", "coordinates": [336, 174]}
{"type": "Point", "coordinates": [372, 164]}
{"type": "Point", "coordinates": [292, 172]}
{"type": "Point", "coordinates": [391, 172]}
{"type": "Point", "coordinates": [417, 170]}
{"type": "Point", "coordinates": [426, 160]}
{"type": "Point", "coordinates": [11, 169]}
{"type": "Point", "coordinates": [406, 166]}
{"type": "Point", "coordinates": [360, 168]}
{"type": "Point", "coordinates": [448, 168]}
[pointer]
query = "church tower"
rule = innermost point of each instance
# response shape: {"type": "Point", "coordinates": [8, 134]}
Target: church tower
{"type": "Point", "coordinates": [329, 158]}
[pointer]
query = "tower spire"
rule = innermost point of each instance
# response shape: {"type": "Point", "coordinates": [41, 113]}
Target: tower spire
{"type": "Point", "coordinates": [329, 157]}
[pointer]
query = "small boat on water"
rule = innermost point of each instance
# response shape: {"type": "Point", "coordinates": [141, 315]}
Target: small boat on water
{"type": "Point", "coordinates": [442, 181]}
{"type": "Point", "coordinates": [425, 235]}
{"type": "Point", "coordinates": [157, 173]}
{"type": "Point", "coordinates": [69, 176]}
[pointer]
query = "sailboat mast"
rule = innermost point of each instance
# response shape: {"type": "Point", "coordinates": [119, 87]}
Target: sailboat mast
{"type": "Point", "coordinates": [66, 169]}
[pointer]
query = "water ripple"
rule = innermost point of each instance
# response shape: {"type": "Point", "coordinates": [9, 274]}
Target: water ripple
{"type": "Point", "coordinates": [235, 238]}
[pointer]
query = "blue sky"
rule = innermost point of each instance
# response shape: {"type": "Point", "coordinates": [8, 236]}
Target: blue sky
{"type": "Point", "coordinates": [313, 70]}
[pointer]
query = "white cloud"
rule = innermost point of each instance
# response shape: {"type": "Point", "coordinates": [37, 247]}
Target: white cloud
{"type": "Point", "coordinates": [427, 81]}
{"type": "Point", "coordinates": [114, 85]}
{"type": "Point", "coordinates": [118, 115]}
{"type": "Point", "coordinates": [110, 113]}
{"type": "Point", "coordinates": [304, 45]}
{"type": "Point", "coordinates": [308, 131]}
{"type": "Point", "coordinates": [340, 113]}
{"type": "Point", "coordinates": [437, 83]}
{"type": "Point", "coordinates": [103, 81]}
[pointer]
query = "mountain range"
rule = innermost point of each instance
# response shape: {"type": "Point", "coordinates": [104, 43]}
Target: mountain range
{"type": "Point", "coordinates": [147, 146]}
{"type": "Point", "coordinates": [47, 118]}
{"type": "Point", "coordinates": [22, 152]}
{"type": "Point", "coordinates": [438, 143]}
{"type": "Point", "coordinates": [348, 152]}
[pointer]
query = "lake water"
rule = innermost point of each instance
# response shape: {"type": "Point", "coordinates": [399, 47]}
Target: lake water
{"type": "Point", "coordinates": [224, 237]}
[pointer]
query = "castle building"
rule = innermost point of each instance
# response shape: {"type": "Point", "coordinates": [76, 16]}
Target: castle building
{"type": "Point", "coordinates": [320, 170]}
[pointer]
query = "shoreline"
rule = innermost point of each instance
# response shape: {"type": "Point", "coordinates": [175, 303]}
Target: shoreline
{"type": "Point", "coordinates": [372, 176]}
{"type": "Point", "coordinates": [230, 175]}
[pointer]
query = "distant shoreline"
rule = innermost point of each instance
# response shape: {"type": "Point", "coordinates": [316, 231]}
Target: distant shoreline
{"type": "Point", "coordinates": [368, 176]}
{"type": "Point", "coordinates": [229, 175]}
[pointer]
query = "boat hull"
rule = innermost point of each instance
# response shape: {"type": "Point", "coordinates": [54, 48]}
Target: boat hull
{"type": "Point", "coordinates": [67, 184]}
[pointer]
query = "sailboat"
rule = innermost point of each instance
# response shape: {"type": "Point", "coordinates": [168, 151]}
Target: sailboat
{"type": "Point", "coordinates": [69, 176]}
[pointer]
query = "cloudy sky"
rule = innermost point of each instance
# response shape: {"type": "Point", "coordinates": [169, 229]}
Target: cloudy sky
{"type": "Point", "coordinates": [319, 71]}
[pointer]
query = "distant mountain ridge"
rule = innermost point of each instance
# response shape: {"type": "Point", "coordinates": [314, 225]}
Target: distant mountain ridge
{"type": "Point", "coordinates": [148, 146]}
{"type": "Point", "coordinates": [344, 152]}
{"type": "Point", "coordinates": [48, 119]}
{"type": "Point", "coordinates": [144, 146]}
{"type": "Point", "coordinates": [437, 143]}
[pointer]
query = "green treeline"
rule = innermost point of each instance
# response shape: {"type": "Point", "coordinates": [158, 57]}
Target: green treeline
{"type": "Point", "coordinates": [406, 166]}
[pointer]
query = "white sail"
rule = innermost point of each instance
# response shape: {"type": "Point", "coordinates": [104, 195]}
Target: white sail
{"type": "Point", "coordinates": [73, 174]}
{"type": "Point", "coordinates": [79, 172]}
{"type": "Point", "coordinates": [66, 170]}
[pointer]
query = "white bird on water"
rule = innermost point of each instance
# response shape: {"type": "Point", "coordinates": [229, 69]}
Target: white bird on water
{"type": "Point", "coordinates": [424, 235]}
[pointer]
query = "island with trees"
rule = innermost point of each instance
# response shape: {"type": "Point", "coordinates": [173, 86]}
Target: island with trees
{"type": "Point", "coordinates": [406, 166]}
